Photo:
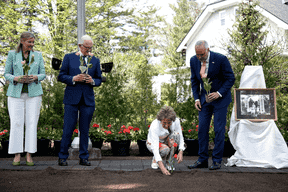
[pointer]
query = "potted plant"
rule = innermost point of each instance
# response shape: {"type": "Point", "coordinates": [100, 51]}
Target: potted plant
{"type": "Point", "coordinates": [190, 134]}
{"type": "Point", "coordinates": [141, 138]}
{"type": "Point", "coordinates": [56, 137]}
{"type": "Point", "coordinates": [44, 136]}
{"type": "Point", "coordinates": [97, 136]}
{"type": "Point", "coordinates": [120, 138]}
{"type": "Point", "coordinates": [228, 147]}
{"type": "Point", "coordinates": [4, 138]}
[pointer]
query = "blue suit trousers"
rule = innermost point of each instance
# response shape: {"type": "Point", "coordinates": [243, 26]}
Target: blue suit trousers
{"type": "Point", "coordinates": [205, 116]}
{"type": "Point", "coordinates": [70, 121]}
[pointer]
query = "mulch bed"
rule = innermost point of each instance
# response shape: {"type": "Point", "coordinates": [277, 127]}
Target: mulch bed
{"type": "Point", "coordinates": [52, 179]}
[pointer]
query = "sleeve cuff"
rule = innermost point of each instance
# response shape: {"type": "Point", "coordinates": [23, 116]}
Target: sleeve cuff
{"type": "Point", "coordinates": [93, 83]}
{"type": "Point", "coordinates": [197, 100]}
{"type": "Point", "coordinates": [219, 94]}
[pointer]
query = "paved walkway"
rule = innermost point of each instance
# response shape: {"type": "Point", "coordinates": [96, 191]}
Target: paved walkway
{"type": "Point", "coordinates": [129, 165]}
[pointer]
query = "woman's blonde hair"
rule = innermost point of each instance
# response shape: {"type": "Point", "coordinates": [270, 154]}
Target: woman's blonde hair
{"type": "Point", "coordinates": [166, 112]}
{"type": "Point", "coordinates": [25, 35]}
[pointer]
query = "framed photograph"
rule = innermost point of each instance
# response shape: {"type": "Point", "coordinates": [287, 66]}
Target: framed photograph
{"type": "Point", "coordinates": [255, 104]}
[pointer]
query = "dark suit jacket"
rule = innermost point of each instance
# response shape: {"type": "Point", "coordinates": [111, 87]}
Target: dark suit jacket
{"type": "Point", "coordinates": [221, 75]}
{"type": "Point", "coordinates": [73, 93]}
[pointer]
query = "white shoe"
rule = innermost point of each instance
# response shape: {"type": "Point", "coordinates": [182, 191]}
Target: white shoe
{"type": "Point", "coordinates": [154, 165]}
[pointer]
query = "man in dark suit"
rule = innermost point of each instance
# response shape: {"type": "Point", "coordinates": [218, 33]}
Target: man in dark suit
{"type": "Point", "coordinates": [79, 95]}
{"type": "Point", "coordinates": [208, 64]}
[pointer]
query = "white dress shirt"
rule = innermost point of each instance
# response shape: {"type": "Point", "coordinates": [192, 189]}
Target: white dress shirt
{"type": "Point", "coordinates": [156, 130]}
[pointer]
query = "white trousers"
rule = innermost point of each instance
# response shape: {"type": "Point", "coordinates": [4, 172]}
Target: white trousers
{"type": "Point", "coordinates": [23, 110]}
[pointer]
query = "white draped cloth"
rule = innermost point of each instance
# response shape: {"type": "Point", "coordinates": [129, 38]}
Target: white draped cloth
{"type": "Point", "coordinates": [257, 144]}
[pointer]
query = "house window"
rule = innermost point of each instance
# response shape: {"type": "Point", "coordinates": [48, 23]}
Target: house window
{"type": "Point", "coordinates": [222, 17]}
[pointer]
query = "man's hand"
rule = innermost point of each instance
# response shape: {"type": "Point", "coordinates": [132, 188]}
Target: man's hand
{"type": "Point", "coordinates": [198, 105]}
{"type": "Point", "coordinates": [213, 96]}
{"type": "Point", "coordinates": [180, 157]}
{"type": "Point", "coordinates": [79, 78]}
{"type": "Point", "coordinates": [89, 79]}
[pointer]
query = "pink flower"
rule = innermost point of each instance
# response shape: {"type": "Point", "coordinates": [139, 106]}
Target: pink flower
{"type": "Point", "coordinates": [23, 62]}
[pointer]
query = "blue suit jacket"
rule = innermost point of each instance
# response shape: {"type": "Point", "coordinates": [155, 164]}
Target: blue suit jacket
{"type": "Point", "coordinates": [73, 93]}
{"type": "Point", "coordinates": [221, 75]}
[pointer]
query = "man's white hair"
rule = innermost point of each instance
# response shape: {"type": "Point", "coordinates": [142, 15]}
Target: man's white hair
{"type": "Point", "coordinates": [85, 37]}
{"type": "Point", "coordinates": [201, 42]}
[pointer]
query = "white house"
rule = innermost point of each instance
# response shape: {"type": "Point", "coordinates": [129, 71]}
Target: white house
{"type": "Point", "coordinates": [217, 17]}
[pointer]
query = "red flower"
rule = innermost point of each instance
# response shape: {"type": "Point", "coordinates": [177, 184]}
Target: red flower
{"type": "Point", "coordinates": [160, 145]}
{"type": "Point", "coordinates": [119, 132]}
{"type": "Point", "coordinates": [210, 125]}
{"type": "Point", "coordinates": [5, 131]}
{"type": "Point", "coordinates": [102, 129]}
{"type": "Point", "coordinates": [75, 130]}
{"type": "Point", "coordinates": [175, 156]}
{"type": "Point", "coordinates": [189, 130]}
{"type": "Point", "coordinates": [108, 132]}
{"type": "Point", "coordinates": [182, 128]}
{"type": "Point", "coordinates": [175, 145]}
{"type": "Point", "coordinates": [136, 129]}
{"type": "Point", "coordinates": [123, 126]}
{"type": "Point", "coordinates": [95, 125]}
{"type": "Point", "coordinates": [196, 129]}
{"type": "Point", "coordinates": [130, 127]}
{"type": "Point", "coordinates": [1, 133]}
{"type": "Point", "coordinates": [126, 131]}
{"type": "Point", "coordinates": [197, 126]}
{"type": "Point", "coordinates": [109, 126]}
{"type": "Point", "coordinates": [148, 126]}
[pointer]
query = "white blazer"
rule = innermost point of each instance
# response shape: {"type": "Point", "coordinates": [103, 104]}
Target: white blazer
{"type": "Point", "coordinates": [156, 130]}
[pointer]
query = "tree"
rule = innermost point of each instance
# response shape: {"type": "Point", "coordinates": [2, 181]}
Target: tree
{"type": "Point", "coordinates": [171, 35]}
{"type": "Point", "coordinates": [249, 45]}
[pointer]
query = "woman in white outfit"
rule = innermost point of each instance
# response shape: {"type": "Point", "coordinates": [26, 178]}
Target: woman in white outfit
{"type": "Point", "coordinates": [163, 133]}
{"type": "Point", "coordinates": [24, 96]}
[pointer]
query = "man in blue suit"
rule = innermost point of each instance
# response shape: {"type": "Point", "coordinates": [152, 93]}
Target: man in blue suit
{"type": "Point", "coordinates": [208, 64]}
{"type": "Point", "coordinates": [79, 95]}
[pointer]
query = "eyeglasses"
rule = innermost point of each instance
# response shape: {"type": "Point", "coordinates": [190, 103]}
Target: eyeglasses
{"type": "Point", "coordinates": [89, 48]}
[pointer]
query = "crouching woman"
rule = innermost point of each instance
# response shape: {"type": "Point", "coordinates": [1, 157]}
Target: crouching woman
{"type": "Point", "coordinates": [164, 131]}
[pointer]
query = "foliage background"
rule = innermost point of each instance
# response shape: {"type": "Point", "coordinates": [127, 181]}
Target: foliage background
{"type": "Point", "coordinates": [127, 96]}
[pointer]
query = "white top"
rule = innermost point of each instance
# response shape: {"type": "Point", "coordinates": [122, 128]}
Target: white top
{"type": "Point", "coordinates": [156, 132]}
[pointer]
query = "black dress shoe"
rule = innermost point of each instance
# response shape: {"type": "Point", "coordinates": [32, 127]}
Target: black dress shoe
{"type": "Point", "coordinates": [199, 164]}
{"type": "Point", "coordinates": [215, 166]}
{"type": "Point", "coordinates": [62, 162]}
{"type": "Point", "coordinates": [84, 162]}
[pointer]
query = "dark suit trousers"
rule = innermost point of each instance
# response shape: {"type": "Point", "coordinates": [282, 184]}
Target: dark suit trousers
{"type": "Point", "coordinates": [205, 116]}
{"type": "Point", "coordinates": [70, 121]}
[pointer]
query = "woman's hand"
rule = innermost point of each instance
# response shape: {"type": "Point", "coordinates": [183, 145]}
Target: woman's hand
{"type": "Point", "coordinates": [20, 79]}
{"type": "Point", "coordinates": [163, 169]}
{"type": "Point", "coordinates": [31, 78]}
{"type": "Point", "coordinates": [180, 157]}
